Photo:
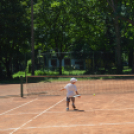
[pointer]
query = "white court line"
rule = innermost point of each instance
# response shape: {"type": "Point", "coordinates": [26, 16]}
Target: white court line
{"type": "Point", "coordinates": [7, 129]}
{"type": "Point", "coordinates": [22, 113]}
{"type": "Point", "coordinates": [18, 107]}
{"type": "Point", "coordinates": [76, 111]}
{"type": "Point", "coordinates": [111, 109]}
{"type": "Point", "coordinates": [97, 110]}
{"type": "Point", "coordinates": [73, 125]}
{"type": "Point", "coordinates": [36, 116]}
{"type": "Point", "coordinates": [84, 125]}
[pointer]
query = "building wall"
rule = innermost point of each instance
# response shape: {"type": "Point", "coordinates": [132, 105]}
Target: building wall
{"type": "Point", "coordinates": [73, 63]}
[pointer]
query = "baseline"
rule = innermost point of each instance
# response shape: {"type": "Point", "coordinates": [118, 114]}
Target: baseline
{"type": "Point", "coordinates": [86, 125]}
{"type": "Point", "coordinates": [72, 125]}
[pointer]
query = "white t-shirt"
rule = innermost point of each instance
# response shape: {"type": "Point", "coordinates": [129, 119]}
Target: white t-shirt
{"type": "Point", "coordinates": [71, 89]}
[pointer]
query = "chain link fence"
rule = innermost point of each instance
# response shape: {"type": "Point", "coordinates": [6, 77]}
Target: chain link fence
{"type": "Point", "coordinates": [80, 63]}
{"type": "Point", "coordinates": [66, 63]}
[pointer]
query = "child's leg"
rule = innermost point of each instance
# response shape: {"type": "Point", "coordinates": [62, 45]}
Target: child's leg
{"type": "Point", "coordinates": [73, 102]}
{"type": "Point", "coordinates": [67, 102]}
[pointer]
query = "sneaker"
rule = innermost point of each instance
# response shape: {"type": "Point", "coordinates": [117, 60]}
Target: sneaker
{"type": "Point", "coordinates": [73, 106]}
{"type": "Point", "coordinates": [67, 109]}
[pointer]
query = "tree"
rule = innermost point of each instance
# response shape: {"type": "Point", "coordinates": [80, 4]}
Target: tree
{"type": "Point", "coordinates": [54, 27]}
{"type": "Point", "coordinates": [14, 31]}
{"type": "Point", "coordinates": [122, 10]}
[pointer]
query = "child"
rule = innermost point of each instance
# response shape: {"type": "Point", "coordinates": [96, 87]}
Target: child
{"type": "Point", "coordinates": [71, 90]}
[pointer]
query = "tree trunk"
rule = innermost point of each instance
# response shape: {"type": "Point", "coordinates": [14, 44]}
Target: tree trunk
{"type": "Point", "coordinates": [60, 66]}
{"type": "Point", "coordinates": [133, 63]}
{"type": "Point", "coordinates": [8, 71]}
{"type": "Point", "coordinates": [118, 46]}
{"type": "Point", "coordinates": [32, 38]}
{"type": "Point", "coordinates": [130, 58]}
{"type": "Point", "coordinates": [60, 57]}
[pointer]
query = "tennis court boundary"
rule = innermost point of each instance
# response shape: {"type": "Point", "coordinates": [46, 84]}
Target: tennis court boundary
{"type": "Point", "coordinates": [18, 106]}
{"type": "Point", "coordinates": [37, 116]}
{"type": "Point", "coordinates": [90, 110]}
{"type": "Point", "coordinates": [72, 125]}
{"type": "Point", "coordinates": [85, 125]}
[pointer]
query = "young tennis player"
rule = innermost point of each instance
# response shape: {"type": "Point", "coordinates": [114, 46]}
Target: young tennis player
{"type": "Point", "coordinates": [71, 90]}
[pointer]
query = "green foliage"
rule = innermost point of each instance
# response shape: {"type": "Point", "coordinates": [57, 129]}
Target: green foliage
{"type": "Point", "coordinates": [55, 4]}
{"type": "Point", "coordinates": [61, 26]}
{"type": "Point", "coordinates": [14, 32]}
{"type": "Point", "coordinates": [39, 72]}
{"type": "Point", "coordinates": [20, 73]}
{"type": "Point", "coordinates": [28, 68]}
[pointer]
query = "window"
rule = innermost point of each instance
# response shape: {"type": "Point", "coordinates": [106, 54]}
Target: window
{"type": "Point", "coordinates": [79, 62]}
{"type": "Point", "coordinates": [67, 62]}
{"type": "Point", "coordinates": [54, 62]}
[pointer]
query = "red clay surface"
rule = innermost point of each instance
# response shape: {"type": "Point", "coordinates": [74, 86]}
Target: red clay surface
{"type": "Point", "coordinates": [99, 114]}
{"type": "Point", "coordinates": [7, 90]}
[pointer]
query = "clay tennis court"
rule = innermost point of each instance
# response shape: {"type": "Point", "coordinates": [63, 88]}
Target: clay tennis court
{"type": "Point", "coordinates": [40, 114]}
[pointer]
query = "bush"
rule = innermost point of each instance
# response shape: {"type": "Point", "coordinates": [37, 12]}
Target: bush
{"type": "Point", "coordinates": [29, 65]}
{"type": "Point", "coordinates": [39, 72]}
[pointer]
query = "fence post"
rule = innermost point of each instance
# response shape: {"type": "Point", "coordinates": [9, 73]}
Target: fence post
{"type": "Point", "coordinates": [21, 86]}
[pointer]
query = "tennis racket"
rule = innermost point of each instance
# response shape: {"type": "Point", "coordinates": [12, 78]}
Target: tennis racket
{"type": "Point", "coordinates": [76, 95]}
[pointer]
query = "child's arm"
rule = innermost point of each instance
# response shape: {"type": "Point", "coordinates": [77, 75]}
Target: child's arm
{"type": "Point", "coordinates": [62, 89]}
{"type": "Point", "coordinates": [77, 93]}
